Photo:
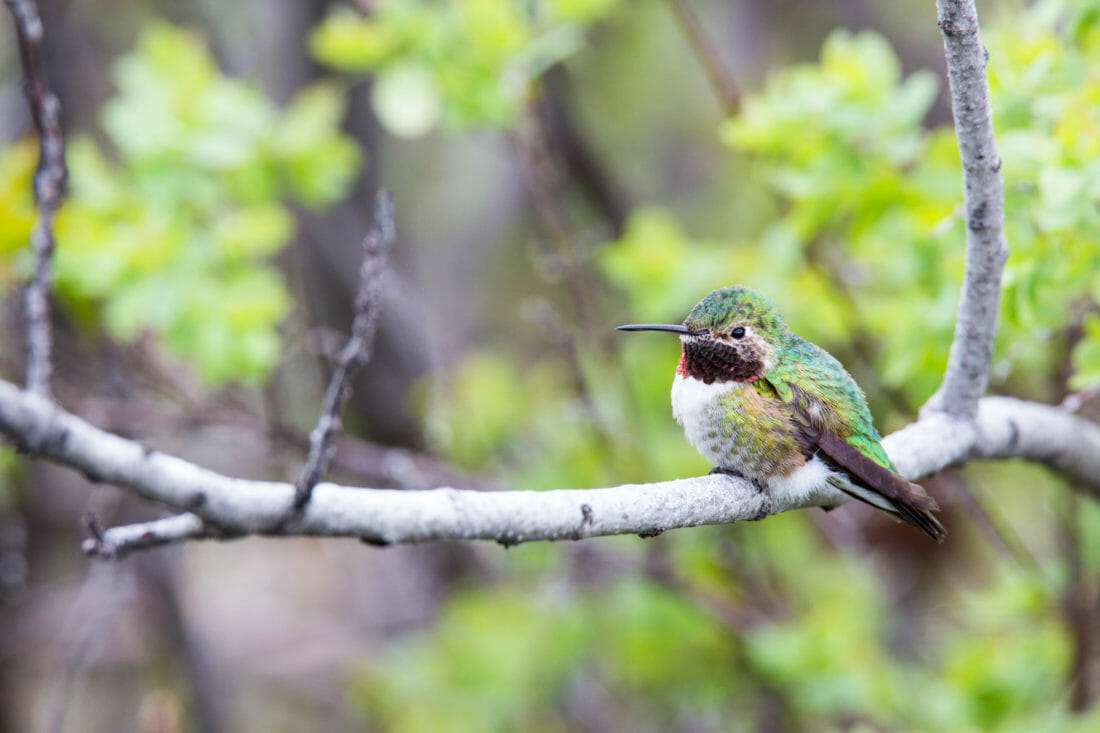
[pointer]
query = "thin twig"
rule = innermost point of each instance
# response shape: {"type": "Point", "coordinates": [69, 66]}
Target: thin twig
{"type": "Point", "coordinates": [96, 545]}
{"type": "Point", "coordinates": [543, 175]}
{"type": "Point", "coordinates": [1000, 534]}
{"type": "Point", "coordinates": [1076, 400]}
{"type": "Point", "coordinates": [115, 544]}
{"type": "Point", "coordinates": [368, 304]}
{"type": "Point", "coordinates": [967, 375]}
{"type": "Point", "coordinates": [1077, 606]}
{"type": "Point", "coordinates": [49, 186]}
{"type": "Point", "coordinates": [725, 88]}
{"type": "Point", "coordinates": [565, 136]}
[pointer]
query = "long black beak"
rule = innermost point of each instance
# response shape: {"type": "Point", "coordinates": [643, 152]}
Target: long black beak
{"type": "Point", "coordinates": [657, 327]}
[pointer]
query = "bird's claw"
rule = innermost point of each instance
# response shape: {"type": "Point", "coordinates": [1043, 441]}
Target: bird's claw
{"type": "Point", "coordinates": [737, 474]}
{"type": "Point", "coordinates": [726, 471]}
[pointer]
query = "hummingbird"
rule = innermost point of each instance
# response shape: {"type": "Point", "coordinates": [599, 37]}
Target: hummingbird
{"type": "Point", "coordinates": [762, 403]}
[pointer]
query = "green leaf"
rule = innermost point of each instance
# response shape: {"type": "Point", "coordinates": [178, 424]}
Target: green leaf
{"type": "Point", "coordinates": [174, 239]}
{"type": "Point", "coordinates": [406, 100]}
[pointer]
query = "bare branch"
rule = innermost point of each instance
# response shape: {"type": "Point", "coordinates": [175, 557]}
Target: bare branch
{"type": "Point", "coordinates": [117, 542]}
{"type": "Point", "coordinates": [220, 506]}
{"type": "Point", "coordinates": [967, 376]}
{"type": "Point", "coordinates": [49, 186]}
{"type": "Point", "coordinates": [368, 304]}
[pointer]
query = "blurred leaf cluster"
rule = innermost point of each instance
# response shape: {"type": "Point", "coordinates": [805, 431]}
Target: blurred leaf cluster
{"type": "Point", "coordinates": [17, 165]}
{"type": "Point", "coordinates": [170, 232]}
{"type": "Point", "coordinates": [871, 220]}
{"type": "Point", "coordinates": [870, 199]}
{"type": "Point", "coordinates": [835, 650]}
{"type": "Point", "coordinates": [867, 249]}
{"type": "Point", "coordinates": [465, 63]}
{"type": "Point", "coordinates": [1046, 89]}
{"type": "Point", "coordinates": [731, 628]}
{"type": "Point", "coordinates": [517, 660]}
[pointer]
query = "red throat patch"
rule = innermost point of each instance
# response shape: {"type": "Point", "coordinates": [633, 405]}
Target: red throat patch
{"type": "Point", "coordinates": [681, 368]}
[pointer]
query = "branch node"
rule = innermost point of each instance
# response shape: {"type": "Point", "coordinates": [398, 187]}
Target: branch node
{"type": "Point", "coordinates": [97, 544]}
{"type": "Point", "coordinates": [587, 516]}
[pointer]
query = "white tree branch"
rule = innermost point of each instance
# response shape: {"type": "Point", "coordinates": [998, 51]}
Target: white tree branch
{"type": "Point", "coordinates": [967, 375]}
{"type": "Point", "coordinates": [222, 507]}
{"type": "Point", "coordinates": [127, 538]}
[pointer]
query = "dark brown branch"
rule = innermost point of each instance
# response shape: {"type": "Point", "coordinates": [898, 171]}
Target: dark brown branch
{"type": "Point", "coordinates": [1077, 604]}
{"type": "Point", "coordinates": [49, 186]}
{"type": "Point", "coordinates": [1000, 535]}
{"type": "Point", "coordinates": [725, 88]}
{"type": "Point", "coordinates": [584, 166]}
{"type": "Point", "coordinates": [543, 175]}
{"type": "Point", "coordinates": [368, 304]}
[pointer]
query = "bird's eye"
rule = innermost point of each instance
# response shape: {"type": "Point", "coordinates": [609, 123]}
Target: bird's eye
{"type": "Point", "coordinates": [738, 332]}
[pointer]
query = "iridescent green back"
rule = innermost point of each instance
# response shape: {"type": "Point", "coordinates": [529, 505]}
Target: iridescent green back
{"type": "Point", "coordinates": [822, 377]}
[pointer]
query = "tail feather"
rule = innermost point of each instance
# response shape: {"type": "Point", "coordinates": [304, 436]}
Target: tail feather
{"type": "Point", "coordinates": [923, 519]}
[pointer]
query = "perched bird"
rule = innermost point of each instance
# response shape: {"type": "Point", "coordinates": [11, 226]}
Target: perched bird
{"type": "Point", "coordinates": [762, 403]}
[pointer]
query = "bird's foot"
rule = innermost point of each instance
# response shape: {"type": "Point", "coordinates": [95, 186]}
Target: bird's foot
{"type": "Point", "coordinates": [727, 471]}
{"type": "Point", "coordinates": [760, 488]}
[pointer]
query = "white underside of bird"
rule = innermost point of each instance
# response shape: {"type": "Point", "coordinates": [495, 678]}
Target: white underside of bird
{"type": "Point", "coordinates": [814, 483]}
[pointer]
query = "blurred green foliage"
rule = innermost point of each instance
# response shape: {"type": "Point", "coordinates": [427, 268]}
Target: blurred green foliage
{"type": "Point", "coordinates": [172, 230]}
{"type": "Point", "coordinates": [505, 660]}
{"type": "Point", "coordinates": [871, 204]}
{"type": "Point", "coordinates": [872, 209]}
{"type": "Point", "coordinates": [464, 63]}
{"type": "Point", "coordinates": [867, 247]}
{"type": "Point", "coordinates": [747, 626]}
{"type": "Point", "coordinates": [17, 166]}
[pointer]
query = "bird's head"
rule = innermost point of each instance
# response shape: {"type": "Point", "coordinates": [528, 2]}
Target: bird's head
{"type": "Point", "coordinates": [733, 334]}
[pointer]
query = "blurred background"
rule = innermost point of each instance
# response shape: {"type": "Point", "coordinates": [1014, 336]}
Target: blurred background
{"type": "Point", "coordinates": [559, 167]}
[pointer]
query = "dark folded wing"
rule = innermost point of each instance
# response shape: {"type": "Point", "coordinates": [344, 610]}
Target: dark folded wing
{"type": "Point", "coordinates": [872, 475]}
{"type": "Point", "coordinates": [904, 498]}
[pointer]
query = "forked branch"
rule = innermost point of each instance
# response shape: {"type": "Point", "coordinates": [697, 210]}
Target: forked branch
{"type": "Point", "coordinates": [368, 304]}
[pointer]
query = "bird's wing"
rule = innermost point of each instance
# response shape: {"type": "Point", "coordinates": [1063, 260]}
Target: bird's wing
{"type": "Point", "coordinates": [866, 471]}
{"type": "Point", "coordinates": [871, 481]}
